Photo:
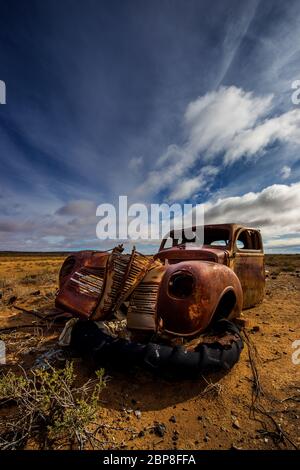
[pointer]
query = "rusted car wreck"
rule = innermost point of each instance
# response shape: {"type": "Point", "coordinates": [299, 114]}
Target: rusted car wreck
{"type": "Point", "coordinates": [181, 294]}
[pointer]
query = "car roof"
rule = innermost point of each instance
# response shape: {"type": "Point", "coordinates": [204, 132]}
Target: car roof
{"type": "Point", "coordinates": [232, 227]}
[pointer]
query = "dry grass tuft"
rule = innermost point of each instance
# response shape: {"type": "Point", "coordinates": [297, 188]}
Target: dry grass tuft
{"type": "Point", "coordinates": [49, 409]}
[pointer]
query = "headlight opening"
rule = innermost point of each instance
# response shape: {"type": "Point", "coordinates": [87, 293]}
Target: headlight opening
{"type": "Point", "coordinates": [181, 285]}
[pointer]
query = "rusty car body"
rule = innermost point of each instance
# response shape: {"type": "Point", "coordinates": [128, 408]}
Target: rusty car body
{"type": "Point", "coordinates": [180, 291]}
{"type": "Point", "coordinates": [217, 279]}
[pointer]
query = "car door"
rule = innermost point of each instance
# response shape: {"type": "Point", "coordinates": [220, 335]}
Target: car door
{"type": "Point", "coordinates": [249, 265]}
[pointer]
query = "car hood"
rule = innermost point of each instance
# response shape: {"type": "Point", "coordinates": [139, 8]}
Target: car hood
{"type": "Point", "coordinates": [180, 253]}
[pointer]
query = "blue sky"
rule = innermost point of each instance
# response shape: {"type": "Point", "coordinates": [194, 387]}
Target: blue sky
{"type": "Point", "coordinates": [163, 101]}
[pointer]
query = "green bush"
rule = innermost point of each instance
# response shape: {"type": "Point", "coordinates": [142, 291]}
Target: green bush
{"type": "Point", "coordinates": [50, 408]}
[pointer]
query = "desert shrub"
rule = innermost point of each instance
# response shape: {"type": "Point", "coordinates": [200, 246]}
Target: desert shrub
{"type": "Point", "coordinates": [5, 283]}
{"type": "Point", "coordinates": [29, 279]}
{"type": "Point", "coordinates": [42, 278]}
{"type": "Point", "coordinates": [49, 408]}
{"type": "Point", "coordinates": [288, 269]}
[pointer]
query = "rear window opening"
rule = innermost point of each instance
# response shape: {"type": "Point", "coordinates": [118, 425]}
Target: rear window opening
{"type": "Point", "coordinates": [249, 240]}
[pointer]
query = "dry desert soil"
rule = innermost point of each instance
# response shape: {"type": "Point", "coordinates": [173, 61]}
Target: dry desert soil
{"type": "Point", "coordinates": [141, 411]}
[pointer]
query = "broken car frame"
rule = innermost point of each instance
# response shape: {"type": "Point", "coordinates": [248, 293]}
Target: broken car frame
{"type": "Point", "coordinates": [181, 292]}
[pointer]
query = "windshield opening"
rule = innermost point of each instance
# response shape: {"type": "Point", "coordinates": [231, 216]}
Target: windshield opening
{"type": "Point", "coordinates": [216, 237]}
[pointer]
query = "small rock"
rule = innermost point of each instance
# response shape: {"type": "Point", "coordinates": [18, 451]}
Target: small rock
{"type": "Point", "coordinates": [1, 295]}
{"type": "Point", "coordinates": [199, 418]}
{"type": "Point", "coordinates": [206, 438]}
{"type": "Point", "coordinates": [141, 434]}
{"type": "Point", "coordinates": [255, 329]}
{"type": "Point", "coordinates": [36, 292]}
{"type": "Point", "coordinates": [173, 419]}
{"type": "Point", "coordinates": [160, 429]}
{"type": "Point", "coordinates": [12, 299]}
{"type": "Point", "coordinates": [138, 414]}
{"type": "Point", "coordinates": [236, 424]}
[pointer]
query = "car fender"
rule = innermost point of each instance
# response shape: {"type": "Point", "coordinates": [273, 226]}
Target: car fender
{"type": "Point", "coordinates": [190, 315]}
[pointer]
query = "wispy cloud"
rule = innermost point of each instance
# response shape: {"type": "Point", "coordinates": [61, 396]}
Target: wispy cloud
{"type": "Point", "coordinates": [78, 208]}
{"type": "Point", "coordinates": [222, 126]}
{"type": "Point", "coordinates": [285, 172]}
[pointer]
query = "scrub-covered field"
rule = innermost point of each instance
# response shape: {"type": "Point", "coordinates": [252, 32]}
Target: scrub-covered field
{"type": "Point", "coordinates": [255, 406]}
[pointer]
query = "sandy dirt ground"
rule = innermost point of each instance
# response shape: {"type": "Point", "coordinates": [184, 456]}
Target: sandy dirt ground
{"type": "Point", "coordinates": [141, 411]}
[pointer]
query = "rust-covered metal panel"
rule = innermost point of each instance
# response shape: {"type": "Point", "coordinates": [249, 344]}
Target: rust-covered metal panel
{"type": "Point", "coordinates": [242, 252]}
{"type": "Point", "coordinates": [115, 272]}
{"type": "Point", "coordinates": [82, 282]}
{"type": "Point", "coordinates": [189, 295]}
{"type": "Point", "coordinates": [94, 284]}
{"type": "Point", "coordinates": [248, 262]}
{"type": "Point", "coordinates": [124, 273]}
{"type": "Point", "coordinates": [250, 269]}
{"type": "Point", "coordinates": [141, 313]}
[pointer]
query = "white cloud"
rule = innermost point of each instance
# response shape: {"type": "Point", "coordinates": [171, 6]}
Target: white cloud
{"type": "Point", "coordinates": [285, 172]}
{"type": "Point", "coordinates": [275, 210]}
{"type": "Point", "coordinates": [283, 243]}
{"type": "Point", "coordinates": [229, 123]}
{"type": "Point", "coordinates": [54, 239]}
{"type": "Point", "coordinates": [189, 186]}
{"type": "Point", "coordinates": [251, 142]}
{"type": "Point", "coordinates": [215, 119]}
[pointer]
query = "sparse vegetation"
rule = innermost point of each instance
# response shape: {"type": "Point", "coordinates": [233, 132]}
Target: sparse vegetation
{"type": "Point", "coordinates": [47, 277]}
{"type": "Point", "coordinates": [49, 409]}
{"type": "Point", "coordinates": [283, 261]}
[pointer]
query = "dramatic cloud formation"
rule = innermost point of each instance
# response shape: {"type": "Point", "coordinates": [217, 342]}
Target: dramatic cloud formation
{"type": "Point", "coordinates": [275, 210]}
{"type": "Point", "coordinates": [225, 125]}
